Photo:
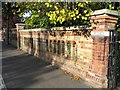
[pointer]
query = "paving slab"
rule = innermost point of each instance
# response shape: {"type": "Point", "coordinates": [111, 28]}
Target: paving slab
{"type": "Point", "coordinates": [21, 70]}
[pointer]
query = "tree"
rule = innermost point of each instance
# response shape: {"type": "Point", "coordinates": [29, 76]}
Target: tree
{"type": "Point", "coordinates": [49, 14]}
{"type": "Point", "coordinates": [8, 17]}
{"type": "Point", "coordinates": [75, 13]}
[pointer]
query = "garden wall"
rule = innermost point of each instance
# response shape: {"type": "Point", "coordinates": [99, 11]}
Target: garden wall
{"type": "Point", "coordinates": [81, 52]}
{"type": "Point", "coordinates": [72, 50]}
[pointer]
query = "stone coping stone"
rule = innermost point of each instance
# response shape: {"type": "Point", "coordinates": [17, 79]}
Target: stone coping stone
{"type": "Point", "coordinates": [106, 11]}
{"type": "Point", "coordinates": [36, 29]}
{"type": "Point", "coordinates": [58, 28]}
{"type": "Point", "coordinates": [20, 24]}
{"type": "Point", "coordinates": [100, 34]}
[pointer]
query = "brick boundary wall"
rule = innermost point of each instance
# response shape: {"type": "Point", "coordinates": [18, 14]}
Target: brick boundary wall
{"type": "Point", "coordinates": [80, 53]}
{"type": "Point", "coordinates": [72, 51]}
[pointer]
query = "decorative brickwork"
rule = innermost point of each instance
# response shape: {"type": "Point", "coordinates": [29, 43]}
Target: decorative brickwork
{"type": "Point", "coordinates": [101, 23]}
{"type": "Point", "coordinates": [81, 53]}
{"type": "Point", "coordinates": [72, 52]}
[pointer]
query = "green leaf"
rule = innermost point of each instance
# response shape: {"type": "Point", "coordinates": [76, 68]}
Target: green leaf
{"type": "Point", "coordinates": [80, 5]}
{"type": "Point", "coordinates": [63, 19]}
{"type": "Point", "coordinates": [36, 15]}
{"type": "Point", "coordinates": [47, 4]}
{"type": "Point", "coordinates": [77, 16]}
{"type": "Point", "coordinates": [50, 6]}
{"type": "Point", "coordinates": [77, 11]}
{"type": "Point", "coordinates": [85, 11]}
{"type": "Point", "coordinates": [38, 10]}
{"type": "Point", "coordinates": [74, 18]}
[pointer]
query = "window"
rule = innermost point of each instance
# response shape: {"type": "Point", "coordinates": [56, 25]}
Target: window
{"type": "Point", "coordinates": [26, 41]}
{"type": "Point", "coordinates": [34, 44]}
{"type": "Point", "coordinates": [68, 50]}
{"type": "Point", "coordinates": [39, 43]}
{"type": "Point", "coordinates": [44, 46]}
{"type": "Point", "coordinates": [63, 48]}
{"type": "Point", "coordinates": [54, 46]}
{"type": "Point", "coordinates": [47, 45]}
{"type": "Point", "coordinates": [31, 43]}
{"type": "Point", "coordinates": [59, 48]}
{"type": "Point", "coordinates": [74, 51]}
{"type": "Point", "coordinates": [50, 45]}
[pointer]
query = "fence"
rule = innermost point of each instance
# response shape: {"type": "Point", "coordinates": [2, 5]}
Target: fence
{"type": "Point", "coordinates": [82, 52]}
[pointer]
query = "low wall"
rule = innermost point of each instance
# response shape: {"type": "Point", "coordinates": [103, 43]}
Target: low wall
{"type": "Point", "coordinates": [84, 53]}
{"type": "Point", "coordinates": [72, 50]}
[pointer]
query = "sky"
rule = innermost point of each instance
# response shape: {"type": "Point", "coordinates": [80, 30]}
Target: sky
{"type": "Point", "coordinates": [26, 14]}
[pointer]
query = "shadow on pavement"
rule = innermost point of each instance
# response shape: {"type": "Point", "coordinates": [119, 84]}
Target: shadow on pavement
{"type": "Point", "coordinates": [20, 71]}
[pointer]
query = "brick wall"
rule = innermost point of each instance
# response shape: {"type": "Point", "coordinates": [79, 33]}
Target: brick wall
{"type": "Point", "coordinates": [72, 50]}
{"type": "Point", "coordinates": [81, 53]}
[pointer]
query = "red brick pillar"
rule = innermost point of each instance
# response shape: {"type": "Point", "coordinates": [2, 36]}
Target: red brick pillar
{"type": "Point", "coordinates": [102, 21]}
{"type": "Point", "coordinates": [19, 26]}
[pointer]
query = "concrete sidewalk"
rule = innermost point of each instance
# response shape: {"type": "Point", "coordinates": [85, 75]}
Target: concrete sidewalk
{"type": "Point", "coordinates": [21, 70]}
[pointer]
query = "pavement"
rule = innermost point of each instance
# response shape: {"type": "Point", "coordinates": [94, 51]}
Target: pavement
{"type": "Point", "coordinates": [21, 70]}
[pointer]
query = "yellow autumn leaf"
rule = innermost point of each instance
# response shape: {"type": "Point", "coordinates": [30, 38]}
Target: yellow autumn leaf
{"type": "Point", "coordinates": [76, 11]}
{"type": "Point", "coordinates": [85, 11]}
{"type": "Point", "coordinates": [57, 12]}
{"type": "Point", "coordinates": [77, 16]}
{"type": "Point", "coordinates": [74, 18]}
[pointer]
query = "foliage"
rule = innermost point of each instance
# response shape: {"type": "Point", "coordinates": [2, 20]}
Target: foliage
{"type": "Point", "coordinates": [67, 13]}
{"type": "Point", "coordinates": [75, 13]}
{"type": "Point", "coordinates": [48, 14]}
{"type": "Point", "coordinates": [38, 18]}
{"type": "Point", "coordinates": [37, 22]}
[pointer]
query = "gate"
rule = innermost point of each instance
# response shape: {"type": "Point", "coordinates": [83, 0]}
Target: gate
{"type": "Point", "coordinates": [114, 59]}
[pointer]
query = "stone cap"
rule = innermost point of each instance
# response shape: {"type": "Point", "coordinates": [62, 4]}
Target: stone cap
{"type": "Point", "coordinates": [20, 24]}
{"type": "Point", "coordinates": [70, 28]}
{"type": "Point", "coordinates": [36, 29]}
{"type": "Point", "coordinates": [58, 28]}
{"type": "Point", "coordinates": [106, 11]}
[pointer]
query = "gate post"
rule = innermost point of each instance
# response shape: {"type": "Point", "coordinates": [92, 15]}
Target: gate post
{"type": "Point", "coordinates": [102, 21]}
{"type": "Point", "coordinates": [19, 26]}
